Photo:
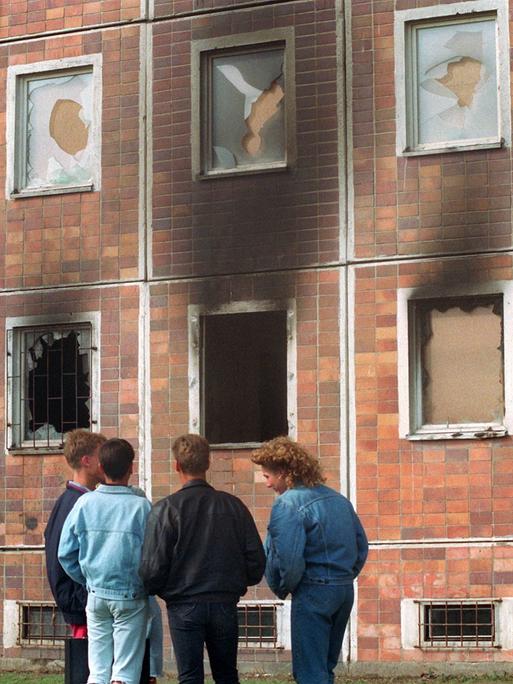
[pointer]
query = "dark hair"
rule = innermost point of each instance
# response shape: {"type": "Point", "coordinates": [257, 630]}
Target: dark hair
{"type": "Point", "coordinates": [116, 455]}
{"type": "Point", "coordinates": [81, 443]}
{"type": "Point", "coordinates": [192, 453]}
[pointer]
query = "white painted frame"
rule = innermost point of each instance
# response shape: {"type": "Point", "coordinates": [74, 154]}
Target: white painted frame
{"type": "Point", "coordinates": [195, 312]}
{"type": "Point", "coordinates": [283, 633]}
{"type": "Point", "coordinates": [410, 636]}
{"type": "Point", "coordinates": [17, 76]}
{"type": "Point", "coordinates": [16, 326]}
{"type": "Point", "coordinates": [200, 119]}
{"type": "Point", "coordinates": [405, 85]}
{"type": "Point", "coordinates": [408, 392]}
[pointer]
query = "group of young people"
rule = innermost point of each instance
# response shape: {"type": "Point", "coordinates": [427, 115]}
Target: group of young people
{"type": "Point", "coordinates": [198, 549]}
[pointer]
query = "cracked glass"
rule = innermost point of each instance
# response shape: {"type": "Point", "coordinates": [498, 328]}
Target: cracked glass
{"type": "Point", "coordinates": [59, 145]}
{"type": "Point", "coordinates": [456, 82]}
{"type": "Point", "coordinates": [246, 109]}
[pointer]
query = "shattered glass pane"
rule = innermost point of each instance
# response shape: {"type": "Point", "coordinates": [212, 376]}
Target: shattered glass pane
{"type": "Point", "coordinates": [57, 384]}
{"type": "Point", "coordinates": [247, 109]}
{"type": "Point", "coordinates": [59, 144]}
{"type": "Point", "coordinates": [462, 365]}
{"type": "Point", "coordinates": [457, 82]}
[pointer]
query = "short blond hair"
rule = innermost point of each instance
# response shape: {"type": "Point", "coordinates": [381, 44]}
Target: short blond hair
{"type": "Point", "coordinates": [192, 453]}
{"type": "Point", "coordinates": [284, 455]}
{"type": "Point", "coordinates": [81, 443]}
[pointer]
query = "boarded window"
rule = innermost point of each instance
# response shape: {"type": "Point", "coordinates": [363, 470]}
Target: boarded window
{"type": "Point", "coordinates": [244, 392]}
{"type": "Point", "coordinates": [460, 352]}
{"type": "Point", "coordinates": [50, 376]}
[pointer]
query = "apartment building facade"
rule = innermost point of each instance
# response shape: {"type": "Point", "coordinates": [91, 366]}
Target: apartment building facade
{"type": "Point", "coordinates": [250, 218]}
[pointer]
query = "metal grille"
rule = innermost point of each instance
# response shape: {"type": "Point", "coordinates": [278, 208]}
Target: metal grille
{"type": "Point", "coordinates": [258, 625]}
{"type": "Point", "coordinates": [41, 624]}
{"type": "Point", "coordinates": [50, 382]}
{"type": "Point", "coordinates": [457, 624]}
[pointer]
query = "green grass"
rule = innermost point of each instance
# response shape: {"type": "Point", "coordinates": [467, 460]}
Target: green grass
{"type": "Point", "coordinates": [36, 678]}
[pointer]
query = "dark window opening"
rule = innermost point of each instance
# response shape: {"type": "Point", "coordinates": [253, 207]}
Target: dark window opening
{"type": "Point", "coordinates": [455, 624]}
{"type": "Point", "coordinates": [244, 372]}
{"type": "Point", "coordinates": [257, 625]}
{"type": "Point", "coordinates": [41, 624]}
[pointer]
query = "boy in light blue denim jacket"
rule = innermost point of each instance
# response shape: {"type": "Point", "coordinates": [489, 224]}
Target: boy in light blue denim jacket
{"type": "Point", "coordinates": [100, 547]}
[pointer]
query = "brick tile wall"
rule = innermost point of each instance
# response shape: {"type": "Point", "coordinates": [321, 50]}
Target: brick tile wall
{"type": "Point", "coordinates": [28, 17]}
{"type": "Point", "coordinates": [80, 237]}
{"type": "Point", "coordinates": [437, 203]}
{"type": "Point", "coordinates": [263, 221]}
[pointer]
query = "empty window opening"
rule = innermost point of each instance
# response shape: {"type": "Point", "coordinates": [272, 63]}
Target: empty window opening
{"type": "Point", "coordinates": [51, 383]}
{"type": "Point", "coordinates": [258, 625]}
{"type": "Point", "coordinates": [244, 393]}
{"type": "Point", "coordinates": [41, 624]}
{"type": "Point", "coordinates": [453, 624]}
{"type": "Point", "coordinates": [459, 360]}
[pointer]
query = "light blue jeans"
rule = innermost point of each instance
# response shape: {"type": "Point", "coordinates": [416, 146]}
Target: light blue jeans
{"type": "Point", "coordinates": [117, 635]}
{"type": "Point", "coordinates": [155, 635]}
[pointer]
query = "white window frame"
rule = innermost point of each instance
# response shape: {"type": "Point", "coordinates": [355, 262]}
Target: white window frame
{"type": "Point", "coordinates": [503, 623]}
{"type": "Point", "coordinates": [409, 391]}
{"type": "Point", "coordinates": [283, 633]}
{"type": "Point", "coordinates": [17, 326]}
{"type": "Point", "coordinates": [17, 77]}
{"type": "Point", "coordinates": [201, 50]}
{"type": "Point", "coordinates": [406, 86]}
{"type": "Point", "coordinates": [195, 313]}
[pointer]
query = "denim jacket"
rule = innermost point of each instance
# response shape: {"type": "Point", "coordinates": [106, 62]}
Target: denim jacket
{"type": "Point", "coordinates": [101, 542]}
{"type": "Point", "coordinates": [314, 536]}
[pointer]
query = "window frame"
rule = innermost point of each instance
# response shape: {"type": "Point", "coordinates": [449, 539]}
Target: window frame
{"type": "Point", "coordinates": [16, 327]}
{"type": "Point", "coordinates": [195, 313]}
{"type": "Point", "coordinates": [202, 53]}
{"type": "Point", "coordinates": [18, 77]}
{"type": "Point", "coordinates": [282, 626]}
{"type": "Point", "coordinates": [412, 623]}
{"type": "Point", "coordinates": [410, 389]}
{"type": "Point", "coordinates": [406, 23]}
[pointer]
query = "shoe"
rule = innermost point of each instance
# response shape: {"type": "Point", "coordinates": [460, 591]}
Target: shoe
{"type": "Point", "coordinates": [152, 680]}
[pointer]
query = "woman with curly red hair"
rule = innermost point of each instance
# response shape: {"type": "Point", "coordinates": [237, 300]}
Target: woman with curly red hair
{"type": "Point", "coordinates": [315, 548]}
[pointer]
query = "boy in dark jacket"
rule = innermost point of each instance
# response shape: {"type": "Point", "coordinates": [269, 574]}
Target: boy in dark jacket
{"type": "Point", "coordinates": [201, 552]}
{"type": "Point", "coordinates": [81, 452]}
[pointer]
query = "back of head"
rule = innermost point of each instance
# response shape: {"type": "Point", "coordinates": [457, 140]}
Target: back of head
{"type": "Point", "coordinates": [116, 457]}
{"type": "Point", "coordinates": [283, 455]}
{"type": "Point", "coordinates": [192, 453]}
{"type": "Point", "coordinates": [81, 443]}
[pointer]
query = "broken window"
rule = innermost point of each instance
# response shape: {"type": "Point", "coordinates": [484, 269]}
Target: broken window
{"type": "Point", "coordinates": [458, 360]}
{"type": "Point", "coordinates": [448, 80]}
{"type": "Point", "coordinates": [54, 120]}
{"type": "Point", "coordinates": [243, 107]}
{"type": "Point", "coordinates": [51, 382]}
{"type": "Point", "coordinates": [244, 369]}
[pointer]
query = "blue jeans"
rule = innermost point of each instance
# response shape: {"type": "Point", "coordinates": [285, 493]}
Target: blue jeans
{"type": "Point", "coordinates": [155, 635]}
{"type": "Point", "coordinates": [215, 625]}
{"type": "Point", "coordinates": [117, 635]}
{"type": "Point", "coordinates": [319, 617]}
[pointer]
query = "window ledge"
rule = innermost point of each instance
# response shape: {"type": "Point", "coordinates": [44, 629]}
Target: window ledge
{"type": "Point", "coordinates": [36, 192]}
{"type": "Point", "coordinates": [459, 432]}
{"type": "Point", "coordinates": [244, 171]}
{"type": "Point", "coordinates": [453, 147]}
{"type": "Point", "coordinates": [52, 449]}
